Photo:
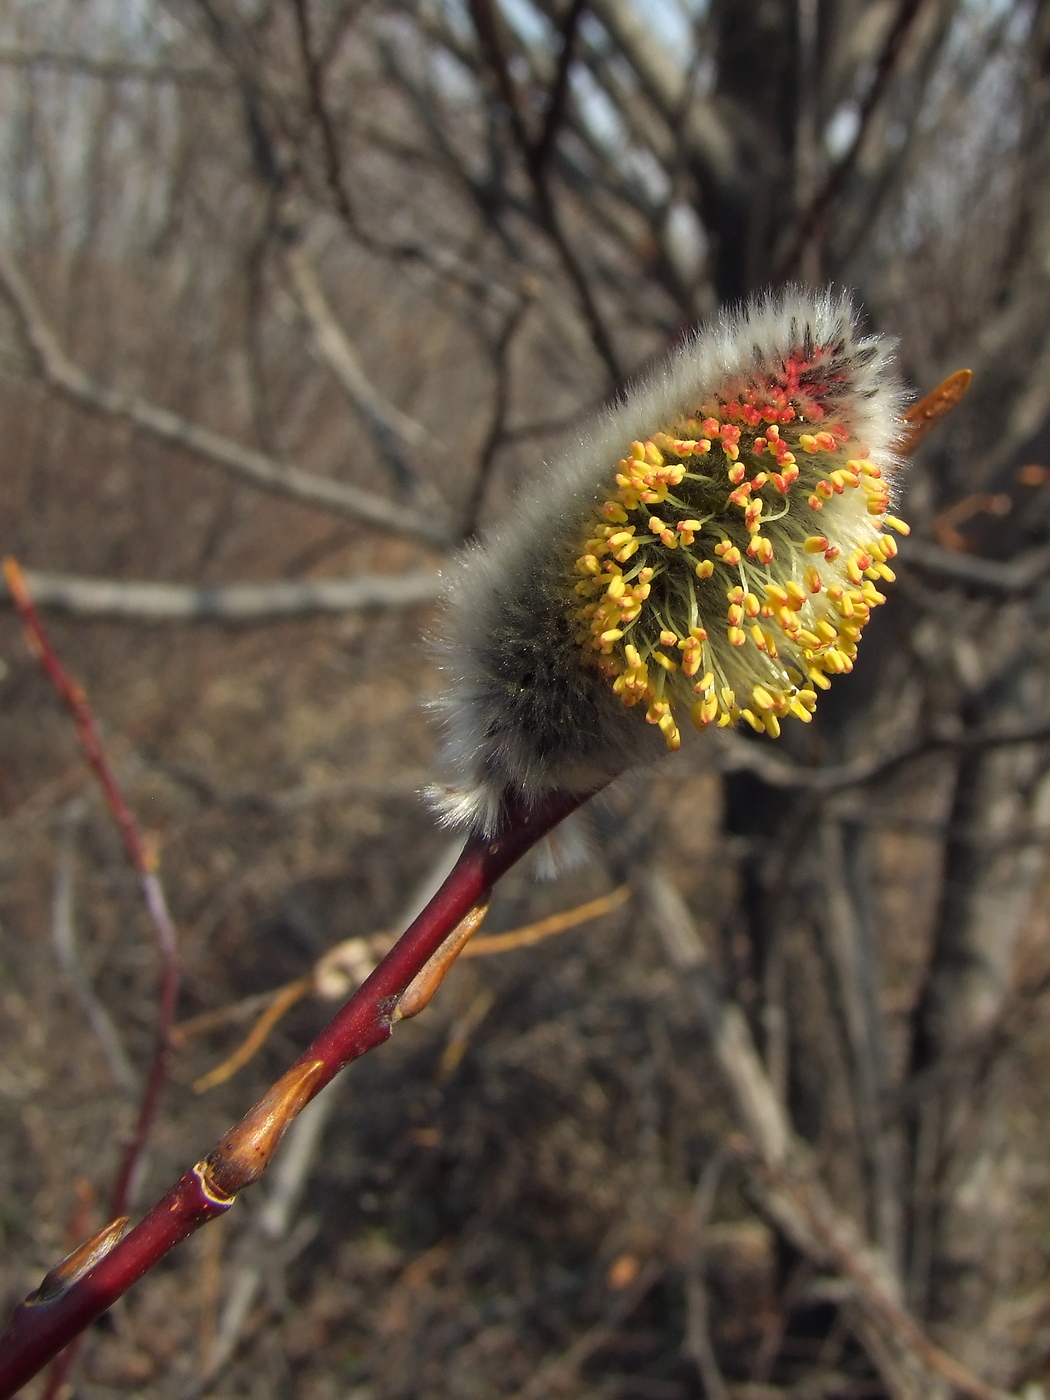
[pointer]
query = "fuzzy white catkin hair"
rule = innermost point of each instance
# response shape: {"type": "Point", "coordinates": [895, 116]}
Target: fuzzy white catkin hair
{"type": "Point", "coordinates": [778, 411]}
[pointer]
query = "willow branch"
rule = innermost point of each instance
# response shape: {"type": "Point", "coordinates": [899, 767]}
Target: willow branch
{"type": "Point", "coordinates": [85, 1284]}
{"type": "Point", "coordinates": [262, 471]}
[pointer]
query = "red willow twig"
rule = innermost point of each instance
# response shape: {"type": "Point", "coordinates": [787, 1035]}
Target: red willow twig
{"type": "Point", "coordinates": [144, 860]}
{"type": "Point", "coordinates": [88, 1281]}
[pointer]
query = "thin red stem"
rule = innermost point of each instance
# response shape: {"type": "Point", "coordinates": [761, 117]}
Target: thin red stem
{"type": "Point", "coordinates": [144, 860]}
{"type": "Point", "coordinates": [71, 1298]}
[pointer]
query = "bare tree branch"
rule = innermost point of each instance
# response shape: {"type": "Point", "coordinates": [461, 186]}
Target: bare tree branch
{"type": "Point", "coordinates": [262, 471]}
{"type": "Point", "coordinates": [338, 353]}
{"type": "Point", "coordinates": [232, 602]}
{"type": "Point", "coordinates": [911, 1363]}
{"type": "Point", "coordinates": [63, 935]}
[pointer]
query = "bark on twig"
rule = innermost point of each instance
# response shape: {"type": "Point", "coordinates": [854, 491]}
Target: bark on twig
{"type": "Point", "coordinates": [42, 1326]}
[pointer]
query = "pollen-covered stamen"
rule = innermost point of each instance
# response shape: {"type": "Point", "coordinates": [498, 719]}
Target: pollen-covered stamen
{"type": "Point", "coordinates": [718, 572]}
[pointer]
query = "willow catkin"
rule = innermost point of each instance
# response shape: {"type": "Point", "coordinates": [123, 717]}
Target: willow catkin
{"type": "Point", "coordinates": [708, 554]}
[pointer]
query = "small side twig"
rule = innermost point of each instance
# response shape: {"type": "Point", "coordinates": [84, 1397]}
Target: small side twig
{"type": "Point", "coordinates": [811, 217]}
{"type": "Point", "coordinates": [343, 968]}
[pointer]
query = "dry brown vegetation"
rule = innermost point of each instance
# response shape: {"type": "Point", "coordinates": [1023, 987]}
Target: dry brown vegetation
{"type": "Point", "coordinates": [403, 248]}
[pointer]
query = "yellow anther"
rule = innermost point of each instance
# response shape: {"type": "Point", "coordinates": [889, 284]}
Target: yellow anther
{"type": "Point", "coordinates": [877, 505]}
{"type": "Point", "coordinates": [813, 580]}
{"type": "Point", "coordinates": [728, 698]}
{"type": "Point", "coordinates": [799, 711]}
{"type": "Point", "coordinates": [826, 631]}
{"type": "Point", "coordinates": [808, 443]}
{"type": "Point", "coordinates": [796, 595]}
{"type": "Point", "coordinates": [705, 568]}
{"type": "Point", "coordinates": [751, 605]}
{"type": "Point", "coordinates": [621, 537]}
{"type": "Point", "coordinates": [753, 720]}
{"type": "Point", "coordinates": [900, 526]}
{"type": "Point", "coordinates": [704, 711]}
{"type": "Point", "coordinates": [778, 594]}
{"type": "Point", "coordinates": [637, 452]}
{"type": "Point", "coordinates": [759, 638]}
{"type": "Point", "coordinates": [810, 639]}
{"type": "Point", "coordinates": [735, 594]}
{"type": "Point", "coordinates": [616, 588]}
{"type": "Point", "coordinates": [771, 725]}
{"type": "Point", "coordinates": [815, 544]}
{"type": "Point", "coordinates": [737, 636]}
{"type": "Point", "coordinates": [664, 661]}
{"type": "Point", "coordinates": [763, 549]}
{"type": "Point", "coordinates": [762, 698]}
{"type": "Point", "coordinates": [669, 730]}
{"type": "Point", "coordinates": [735, 614]}
{"type": "Point", "coordinates": [885, 572]}
{"type": "Point", "coordinates": [705, 682]}
{"type": "Point", "coordinates": [613, 635]}
{"type": "Point", "coordinates": [668, 639]}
